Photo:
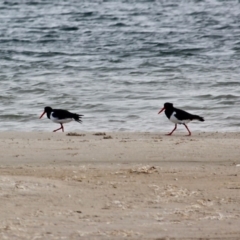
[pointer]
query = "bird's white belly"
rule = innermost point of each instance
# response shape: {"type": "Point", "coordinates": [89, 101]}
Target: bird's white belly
{"type": "Point", "coordinates": [177, 121]}
{"type": "Point", "coordinates": [56, 120]}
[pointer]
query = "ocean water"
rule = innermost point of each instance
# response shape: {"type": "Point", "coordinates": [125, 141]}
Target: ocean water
{"type": "Point", "coordinates": [118, 61]}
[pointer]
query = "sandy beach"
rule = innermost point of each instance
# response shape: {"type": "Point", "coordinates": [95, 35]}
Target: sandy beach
{"type": "Point", "coordinates": [119, 186]}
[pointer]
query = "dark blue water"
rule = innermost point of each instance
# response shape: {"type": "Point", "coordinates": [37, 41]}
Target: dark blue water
{"type": "Point", "coordinates": [117, 62]}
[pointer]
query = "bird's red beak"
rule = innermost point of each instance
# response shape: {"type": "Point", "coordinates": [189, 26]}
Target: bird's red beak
{"type": "Point", "coordinates": [42, 114]}
{"type": "Point", "coordinates": [161, 110]}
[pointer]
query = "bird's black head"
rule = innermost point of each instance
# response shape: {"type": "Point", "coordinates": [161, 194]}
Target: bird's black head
{"type": "Point", "coordinates": [166, 105]}
{"type": "Point", "coordinates": [46, 110]}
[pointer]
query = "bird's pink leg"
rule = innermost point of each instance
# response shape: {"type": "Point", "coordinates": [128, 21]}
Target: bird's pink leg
{"type": "Point", "coordinates": [59, 128]}
{"type": "Point", "coordinates": [187, 129]}
{"type": "Point", "coordinates": [169, 134]}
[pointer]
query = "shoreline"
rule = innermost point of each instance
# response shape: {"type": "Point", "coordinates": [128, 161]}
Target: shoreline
{"type": "Point", "coordinates": [119, 185]}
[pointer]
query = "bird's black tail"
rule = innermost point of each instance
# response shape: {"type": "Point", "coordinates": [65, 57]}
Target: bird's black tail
{"type": "Point", "coordinates": [77, 117]}
{"type": "Point", "coordinates": [196, 117]}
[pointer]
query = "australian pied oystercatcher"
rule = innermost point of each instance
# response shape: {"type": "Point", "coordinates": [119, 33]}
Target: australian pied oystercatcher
{"type": "Point", "coordinates": [61, 116]}
{"type": "Point", "coordinates": [179, 116]}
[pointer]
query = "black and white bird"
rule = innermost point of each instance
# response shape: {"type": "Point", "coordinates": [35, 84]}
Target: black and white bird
{"type": "Point", "coordinates": [61, 116]}
{"type": "Point", "coordinates": [179, 116]}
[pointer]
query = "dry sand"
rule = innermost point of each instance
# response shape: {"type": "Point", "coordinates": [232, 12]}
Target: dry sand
{"type": "Point", "coordinates": [119, 186]}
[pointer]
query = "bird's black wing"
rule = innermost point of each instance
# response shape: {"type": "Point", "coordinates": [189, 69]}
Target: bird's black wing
{"type": "Point", "coordinates": [62, 114]}
{"type": "Point", "coordinates": [182, 115]}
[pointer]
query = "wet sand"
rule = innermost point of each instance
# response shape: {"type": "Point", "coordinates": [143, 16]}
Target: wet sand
{"type": "Point", "coordinates": [119, 186]}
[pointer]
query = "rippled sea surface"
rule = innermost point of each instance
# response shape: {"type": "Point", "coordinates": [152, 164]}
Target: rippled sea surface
{"type": "Point", "coordinates": [118, 61]}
